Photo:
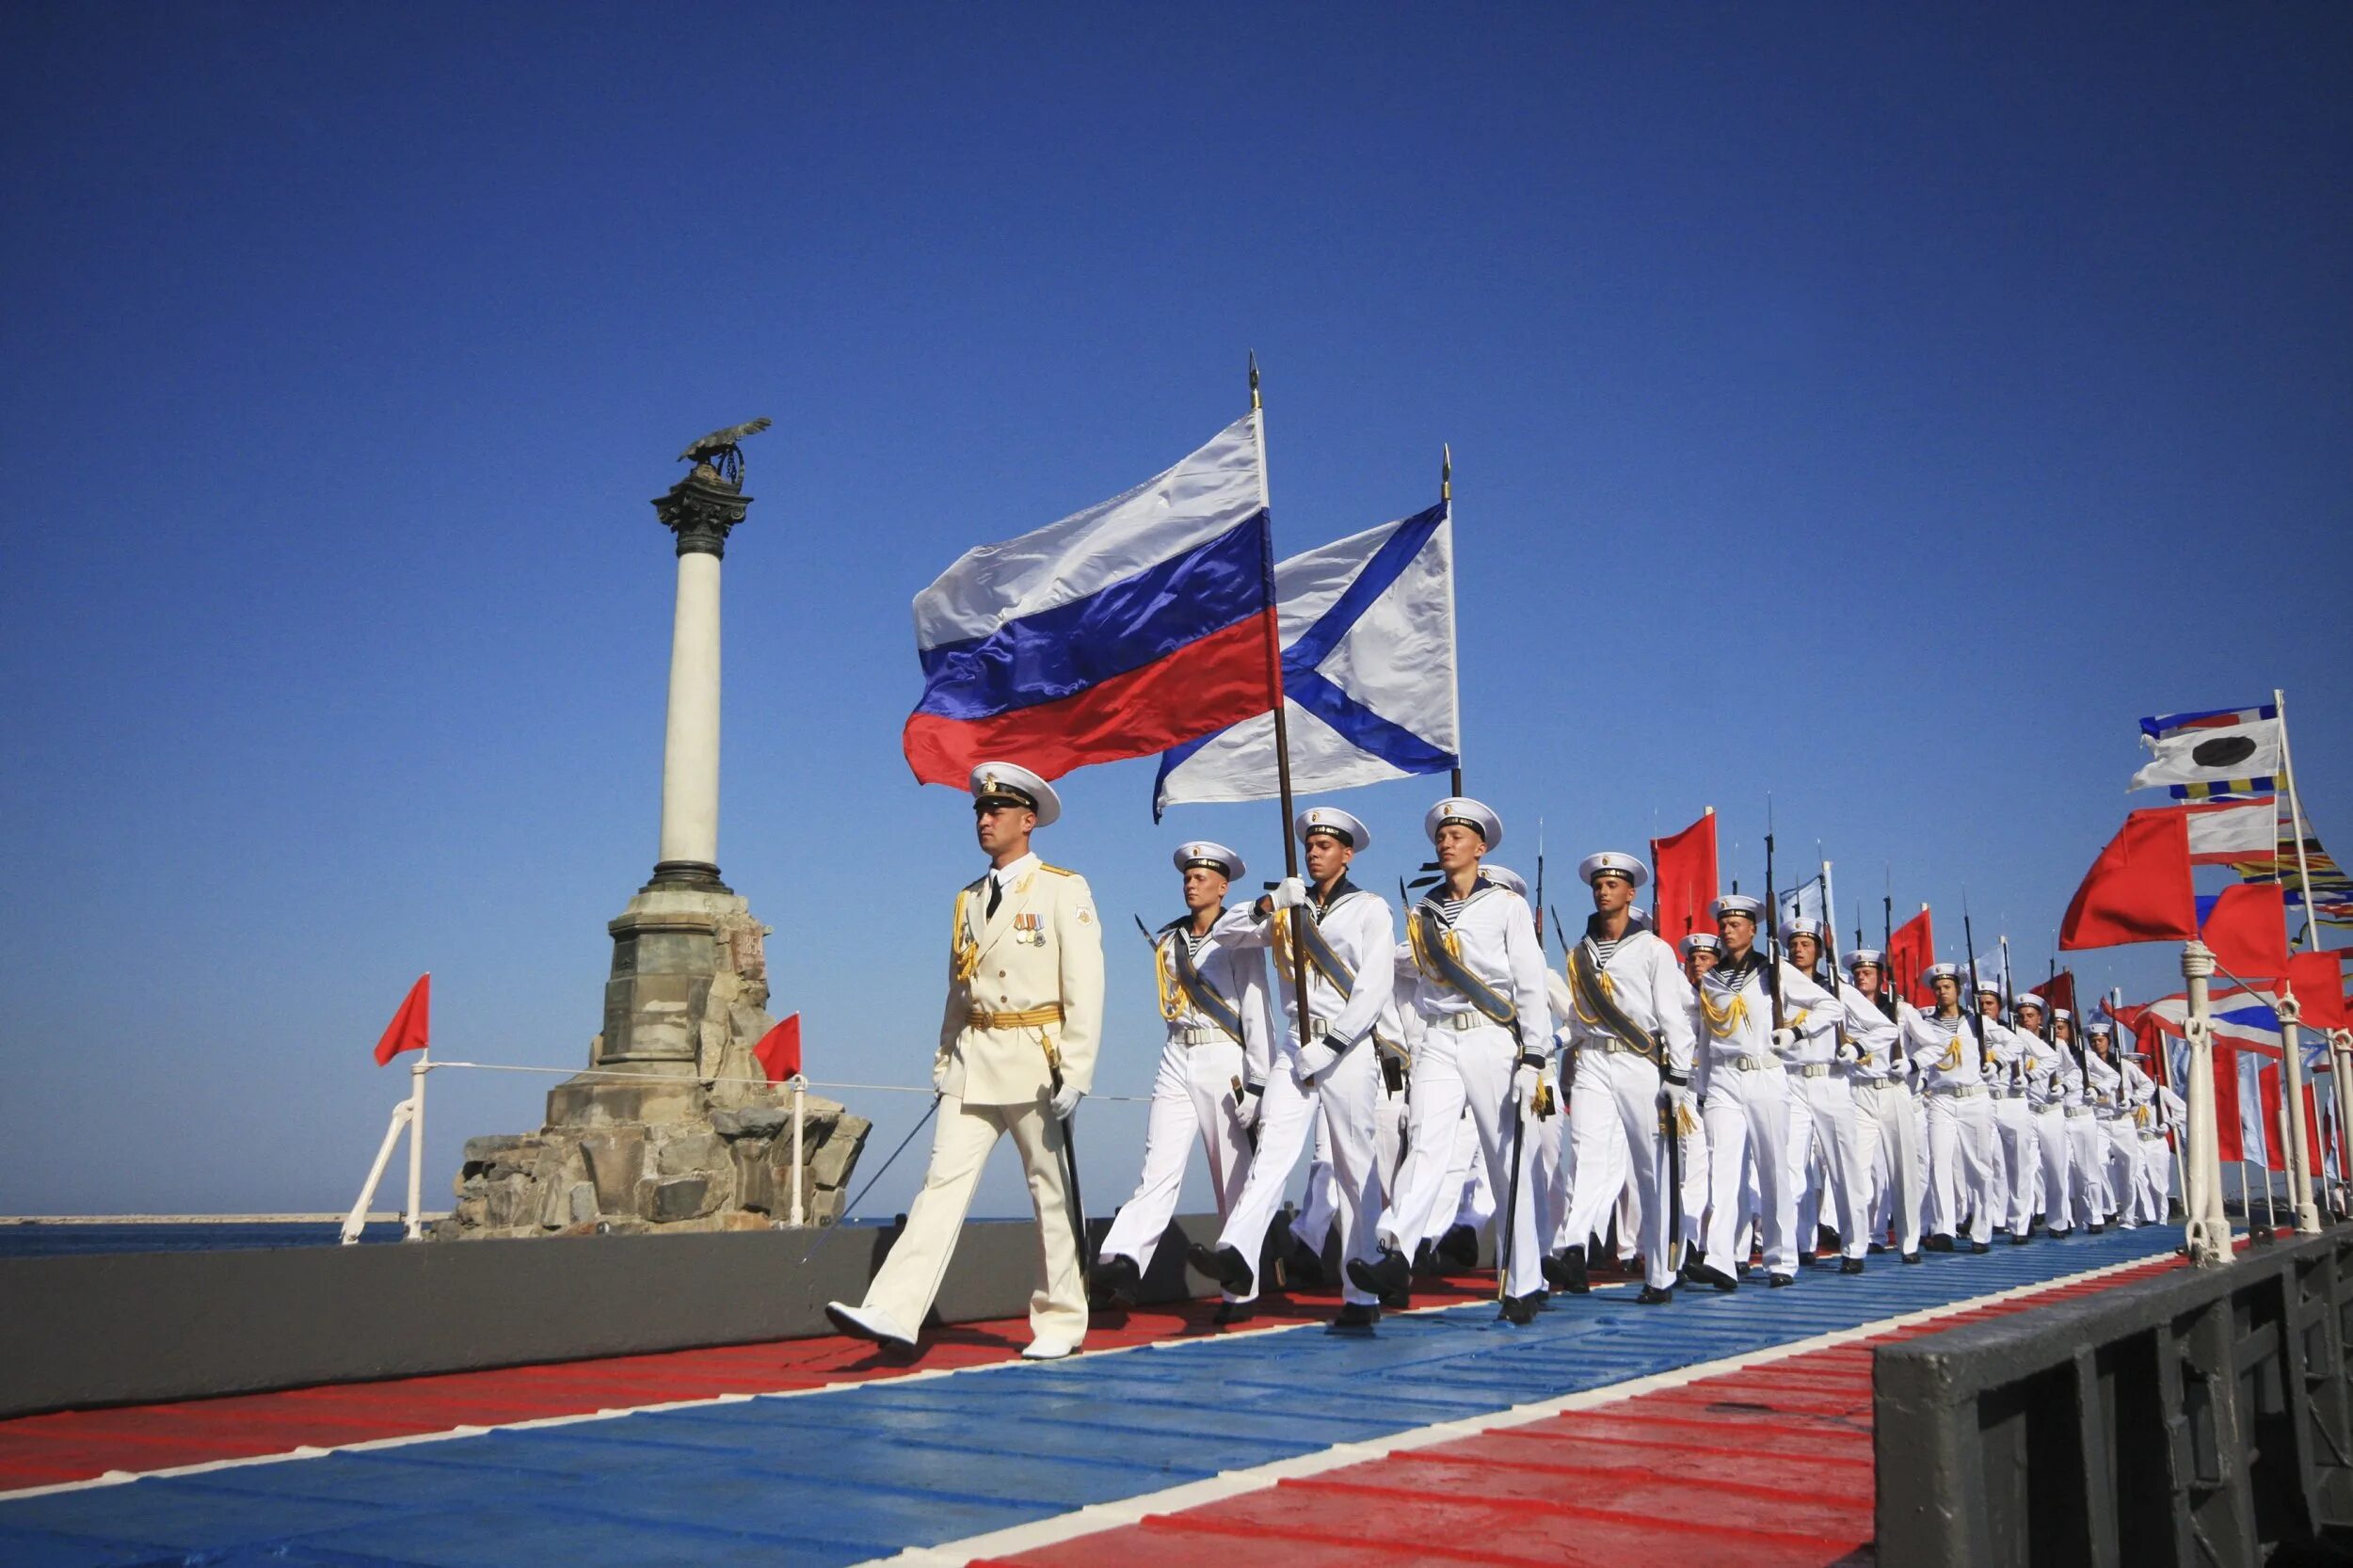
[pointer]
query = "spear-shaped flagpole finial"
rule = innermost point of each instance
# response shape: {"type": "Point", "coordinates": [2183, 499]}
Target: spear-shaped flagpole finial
{"type": "Point", "coordinates": [1253, 380]}
{"type": "Point", "coordinates": [1445, 470]}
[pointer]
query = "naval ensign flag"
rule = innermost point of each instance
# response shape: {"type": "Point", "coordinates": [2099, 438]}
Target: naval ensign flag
{"type": "Point", "coordinates": [1368, 688]}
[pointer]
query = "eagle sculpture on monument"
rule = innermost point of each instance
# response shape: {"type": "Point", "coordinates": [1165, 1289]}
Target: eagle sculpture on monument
{"type": "Point", "coordinates": [719, 452]}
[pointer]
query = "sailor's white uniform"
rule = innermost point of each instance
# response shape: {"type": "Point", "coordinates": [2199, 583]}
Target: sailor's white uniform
{"type": "Point", "coordinates": [1467, 1059]}
{"type": "Point", "coordinates": [1825, 1143]}
{"type": "Point", "coordinates": [1946, 1054]}
{"type": "Point", "coordinates": [1883, 1117]}
{"type": "Point", "coordinates": [2047, 1061]}
{"type": "Point", "coordinates": [2087, 1150]}
{"type": "Point", "coordinates": [2015, 1169]}
{"type": "Point", "coordinates": [1303, 1080]}
{"type": "Point", "coordinates": [1203, 1089]}
{"type": "Point", "coordinates": [1616, 1102]}
{"type": "Point", "coordinates": [2103, 1095]}
{"type": "Point", "coordinates": [2121, 1123]}
{"type": "Point", "coordinates": [1747, 1106]}
{"type": "Point", "coordinates": [2167, 1112]}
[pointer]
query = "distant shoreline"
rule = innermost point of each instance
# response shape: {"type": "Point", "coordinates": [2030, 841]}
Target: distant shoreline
{"type": "Point", "coordinates": [374, 1217]}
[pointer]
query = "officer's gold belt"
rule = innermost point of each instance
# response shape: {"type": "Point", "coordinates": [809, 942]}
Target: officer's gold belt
{"type": "Point", "coordinates": [1029, 1018]}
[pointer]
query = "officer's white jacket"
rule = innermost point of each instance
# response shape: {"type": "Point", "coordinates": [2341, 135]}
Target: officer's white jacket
{"type": "Point", "coordinates": [1874, 1034]}
{"type": "Point", "coordinates": [1943, 1051]}
{"type": "Point", "coordinates": [1234, 972]}
{"type": "Point", "coordinates": [1498, 937]}
{"type": "Point", "coordinates": [1646, 980]}
{"type": "Point", "coordinates": [1363, 933]}
{"type": "Point", "coordinates": [1738, 1012]}
{"type": "Point", "coordinates": [1044, 947]}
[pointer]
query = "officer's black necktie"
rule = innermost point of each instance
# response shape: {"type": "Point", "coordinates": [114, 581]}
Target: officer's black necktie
{"type": "Point", "coordinates": [996, 897]}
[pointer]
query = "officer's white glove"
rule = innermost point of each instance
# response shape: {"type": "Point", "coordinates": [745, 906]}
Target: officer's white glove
{"type": "Point", "coordinates": [1846, 1053]}
{"type": "Point", "coordinates": [1785, 1041]}
{"type": "Point", "coordinates": [1317, 1060]}
{"type": "Point", "coordinates": [1290, 893]}
{"type": "Point", "coordinates": [1524, 1080]}
{"type": "Point", "coordinates": [939, 1073]}
{"type": "Point", "coordinates": [1067, 1100]}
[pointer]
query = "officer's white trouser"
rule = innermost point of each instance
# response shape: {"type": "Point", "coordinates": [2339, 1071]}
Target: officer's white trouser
{"type": "Point", "coordinates": [2087, 1167]}
{"type": "Point", "coordinates": [2056, 1152]}
{"type": "Point", "coordinates": [1838, 1145]}
{"type": "Point", "coordinates": [1454, 1069]}
{"type": "Point", "coordinates": [1891, 1149]}
{"type": "Point", "coordinates": [1192, 1096]}
{"type": "Point", "coordinates": [2014, 1131]}
{"type": "Point", "coordinates": [910, 1275]}
{"type": "Point", "coordinates": [1962, 1159]}
{"type": "Point", "coordinates": [2120, 1141]}
{"type": "Point", "coordinates": [1617, 1098]}
{"type": "Point", "coordinates": [1748, 1113]}
{"type": "Point", "coordinates": [1284, 1123]}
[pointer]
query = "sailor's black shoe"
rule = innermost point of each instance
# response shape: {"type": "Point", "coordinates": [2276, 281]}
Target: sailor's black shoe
{"type": "Point", "coordinates": [1937, 1243]}
{"type": "Point", "coordinates": [1458, 1248]}
{"type": "Point", "coordinates": [2018, 1241]}
{"type": "Point", "coordinates": [1777, 1281]}
{"type": "Point", "coordinates": [1851, 1265]}
{"type": "Point", "coordinates": [2095, 1227]}
{"type": "Point", "coordinates": [2063, 1233]}
{"type": "Point", "coordinates": [1654, 1295]}
{"type": "Point", "coordinates": [1385, 1276]}
{"type": "Point", "coordinates": [1233, 1312]}
{"type": "Point", "coordinates": [1911, 1258]}
{"type": "Point", "coordinates": [1565, 1270]}
{"type": "Point", "coordinates": [1707, 1273]}
{"type": "Point", "coordinates": [1518, 1309]}
{"type": "Point", "coordinates": [1355, 1315]}
{"type": "Point", "coordinates": [1116, 1279]}
{"type": "Point", "coordinates": [1980, 1246]}
{"type": "Point", "coordinates": [1304, 1264]}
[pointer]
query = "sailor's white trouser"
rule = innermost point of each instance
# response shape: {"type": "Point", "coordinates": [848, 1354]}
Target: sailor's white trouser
{"type": "Point", "coordinates": [910, 1275]}
{"type": "Point", "coordinates": [1285, 1122]}
{"type": "Point", "coordinates": [1886, 1117]}
{"type": "Point", "coordinates": [1748, 1114]}
{"type": "Point", "coordinates": [1617, 1098]}
{"type": "Point", "coordinates": [1828, 1100]}
{"type": "Point", "coordinates": [2156, 1177]}
{"type": "Point", "coordinates": [1693, 1139]}
{"type": "Point", "coordinates": [2120, 1141]}
{"type": "Point", "coordinates": [2088, 1165]}
{"type": "Point", "coordinates": [1451, 1069]}
{"type": "Point", "coordinates": [2055, 1153]}
{"type": "Point", "coordinates": [1962, 1159]}
{"type": "Point", "coordinates": [2014, 1131]}
{"type": "Point", "coordinates": [1193, 1097]}
{"type": "Point", "coordinates": [1597, 1160]}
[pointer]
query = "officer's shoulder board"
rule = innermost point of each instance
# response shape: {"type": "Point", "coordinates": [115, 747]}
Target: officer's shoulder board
{"type": "Point", "coordinates": [1058, 870]}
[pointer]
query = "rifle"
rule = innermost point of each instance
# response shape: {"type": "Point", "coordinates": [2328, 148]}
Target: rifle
{"type": "Point", "coordinates": [1772, 916]}
{"type": "Point", "coordinates": [1539, 910]}
{"type": "Point", "coordinates": [1969, 1001]}
{"type": "Point", "coordinates": [1830, 949]}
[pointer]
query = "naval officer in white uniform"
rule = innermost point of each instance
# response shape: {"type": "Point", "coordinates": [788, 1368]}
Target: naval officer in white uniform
{"type": "Point", "coordinates": [1213, 1069]}
{"type": "Point", "coordinates": [1017, 1053]}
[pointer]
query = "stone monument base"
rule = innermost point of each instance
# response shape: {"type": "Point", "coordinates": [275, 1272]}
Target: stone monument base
{"type": "Point", "coordinates": [675, 1127]}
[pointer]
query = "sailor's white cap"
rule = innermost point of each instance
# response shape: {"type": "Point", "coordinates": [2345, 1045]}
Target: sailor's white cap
{"type": "Point", "coordinates": [1739, 903]}
{"type": "Point", "coordinates": [2101, 1027]}
{"type": "Point", "coordinates": [1988, 986]}
{"type": "Point", "coordinates": [1701, 941]}
{"type": "Point", "coordinates": [2058, 1013]}
{"type": "Point", "coordinates": [2030, 999]}
{"type": "Point", "coordinates": [1935, 973]}
{"type": "Point", "coordinates": [1504, 876]}
{"type": "Point", "coordinates": [1217, 857]}
{"type": "Point", "coordinates": [1330, 819]}
{"type": "Point", "coordinates": [1803, 925]}
{"type": "Point", "coordinates": [1856, 957]}
{"type": "Point", "coordinates": [1470, 813]}
{"type": "Point", "coordinates": [1628, 866]}
{"type": "Point", "coordinates": [1009, 784]}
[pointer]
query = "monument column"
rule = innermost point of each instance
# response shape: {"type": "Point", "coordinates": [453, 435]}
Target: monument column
{"type": "Point", "coordinates": [700, 509]}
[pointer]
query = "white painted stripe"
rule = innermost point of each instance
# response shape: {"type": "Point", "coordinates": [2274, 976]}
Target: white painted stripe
{"type": "Point", "coordinates": [1097, 1517]}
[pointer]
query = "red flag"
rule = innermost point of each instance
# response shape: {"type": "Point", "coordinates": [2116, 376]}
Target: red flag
{"type": "Point", "coordinates": [1683, 879]}
{"type": "Point", "coordinates": [2149, 1036]}
{"type": "Point", "coordinates": [2312, 976]}
{"type": "Point", "coordinates": [2248, 929]}
{"type": "Point", "coordinates": [2230, 1117]}
{"type": "Point", "coordinates": [1909, 951]}
{"type": "Point", "coordinates": [780, 1050]}
{"type": "Point", "coordinates": [2060, 991]}
{"type": "Point", "coordinates": [2139, 889]}
{"type": "Point", "coordinates": [410, 1025]}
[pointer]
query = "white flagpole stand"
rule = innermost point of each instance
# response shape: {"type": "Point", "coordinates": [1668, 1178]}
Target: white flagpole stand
{"type": "Point", "coordinates": [2341, 1042]}
{"type": "Point", "coordinates": [408, 1113]}
{"type": "Point", "coordinates": [2299, 1175]}
{"type": "Point", "coordinates": [2208, 1227]}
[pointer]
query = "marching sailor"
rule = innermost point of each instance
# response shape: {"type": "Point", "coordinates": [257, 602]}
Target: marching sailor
{"type": "Point", "coordinates": [1883, 1114]}
{"type": "Point", "coordinates": [2103, 1087]}
{"type": "Point", "coordinates": [1213, 1070]}
{"type": "Point", "coordinates": [2087, 1188]}
{"type": "Point", "coordinates": [2016, 1165]}
{"type": "Point", "coordinates": [1479, 989]}
{"type": "Point", "coordinates": [1627, 1012]}
{"type": "Point", "coordinates": [2046, 1106]}
{"type": "Point", "coordinates": [2170, 1116]}
{"type": "Point", "coordinates": [1699, 949]}
{"type": "Point", "coordinates": [1350, 938]}
{"type": "Point", "coordinates": [1747, 1103]}
{"type": "Point", "coordinates": [1944, 1051]}
{"type": "Point", "coordinates": [1822, 1069]}
{"type": "Point", "coordinates": [1017, 1053]}
{"type": "Point", "coordinates": [2135, 1089]}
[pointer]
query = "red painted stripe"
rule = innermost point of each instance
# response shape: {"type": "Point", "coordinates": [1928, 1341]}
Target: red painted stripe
{"type": "Point", "coordinates": [1200, 689]}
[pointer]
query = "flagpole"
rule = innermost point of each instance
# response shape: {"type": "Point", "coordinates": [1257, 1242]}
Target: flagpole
{"type": "Point", "coordinates": [1454, 652]}
{"type": "Point", "coordinates": [1274, 678]}
{"type": "Point", "coordinates": [417, 1070]}
{"type": "Point", "coordinates": [2207, 1226]}
{"type": "Point", "coordinates": [2291, 1054]}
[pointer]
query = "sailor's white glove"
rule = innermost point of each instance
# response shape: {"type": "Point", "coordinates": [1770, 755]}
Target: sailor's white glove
{"type": "Point", "coordinates": [1785, 1041]}
{"type": "Point", "coordinates": [1846, 1053]}
{"type": "Point", "coordinates": [1250, 1104]}
{"type": "Point", "coordinates": [939, 1073]}
{"type": "Point", "coordinates": [1067, 1100]}
{"type": "Point", "coordinates": [1524, 1080]}
{"type": "Point", "coordinates": [1290, 893]}
{"type": "Point", "coordinates": [1317, 1060]}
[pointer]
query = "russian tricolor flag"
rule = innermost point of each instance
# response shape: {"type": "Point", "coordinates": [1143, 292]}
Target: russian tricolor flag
{"type": "Point", "coordinates": [1124, 629]}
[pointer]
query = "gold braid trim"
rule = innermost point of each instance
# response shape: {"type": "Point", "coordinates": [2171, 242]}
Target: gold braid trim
{"type": "Point", "coordinates": [1173, 1004]}
{"type": "Point", "coordinates": [964, 950]}
{"type": "Point", "coordinates": [1421, 952]}
{"type": "Point", "coordinates": [1724, 1022]}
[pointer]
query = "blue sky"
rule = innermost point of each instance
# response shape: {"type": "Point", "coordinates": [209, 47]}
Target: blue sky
{"type": "Point", "coordinates": [1883, 409]}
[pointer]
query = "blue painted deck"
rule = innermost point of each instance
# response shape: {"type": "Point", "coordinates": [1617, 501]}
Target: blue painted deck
{"type": "Point", "coordinates": [868, 1469]}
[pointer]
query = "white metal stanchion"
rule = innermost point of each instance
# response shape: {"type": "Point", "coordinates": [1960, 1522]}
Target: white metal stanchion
{"type": "Point", "coordinates": [2299, 1152]}
{"type": "Point", "coordinates": [408, 1113]}
{"type": "Point", "coordinates": [800, 1118]}
{"type": "Point", "coordinates": [2208, 1229]}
